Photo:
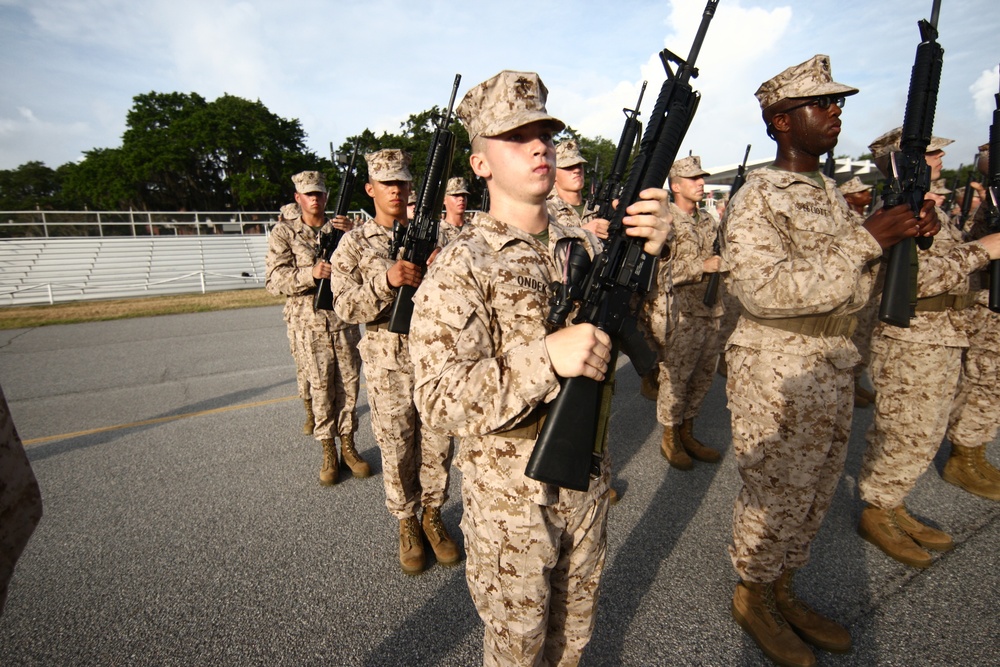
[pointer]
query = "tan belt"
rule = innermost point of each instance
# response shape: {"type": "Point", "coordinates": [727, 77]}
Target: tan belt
{"type": "Point", "coordinates": [942, 302]}
{"type": "Point", "coordinates": [530, 427]}
{"type": "Point", "coordinates": [817, 326]}
{"type": "Point", "coordinates": [378, 325]}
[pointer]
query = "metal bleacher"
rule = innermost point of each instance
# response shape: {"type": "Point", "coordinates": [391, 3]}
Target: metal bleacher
{"type": "Point", "coordinates": [39, 270]}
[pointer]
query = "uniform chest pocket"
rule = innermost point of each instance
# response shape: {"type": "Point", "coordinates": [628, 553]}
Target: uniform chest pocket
{"type": "Point", "coordinates": [520, 307]}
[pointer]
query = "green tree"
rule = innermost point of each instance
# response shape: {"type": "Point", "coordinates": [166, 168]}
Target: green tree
{"type": "Point", "coordinates": [32, 185]}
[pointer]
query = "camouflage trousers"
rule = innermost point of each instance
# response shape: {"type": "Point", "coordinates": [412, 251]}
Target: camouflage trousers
{"type": "Point", "coordinates": [301, 371]}
{"type": "Point", "coordinates": [790, 432]}
{"type": "Point", "coordinates": [862, 338]}
{"type": "Point", "coordinates": [687, 367]}
{"type": "Point", "coordinates": [915, 385]}
{"type": "Point", "coordinates": [975, 416]}
{"type": "Point", "coordinates": [533, 573]}
{"type": "Point", "coordinates": [416, 462]}
{"type": "Point", "coordinates": [20, 499]}
{"type": "Point", "coordinates": [332, 367]}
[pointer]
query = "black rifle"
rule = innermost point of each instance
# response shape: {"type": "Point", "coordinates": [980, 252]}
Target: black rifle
{"type": "Point", "coordinates": [417, 240]}
{"type": "Point", "coordinates": [712, 288]}
{"type": "Point", "coordinates": [595, 184]}
{"type": "Point", "coordinates": [569, 448]}
{"type": "Point", "coordinates": [830, 166]}
{"type": "Point", "coordinates": [484, 203]}
{"type": "Point", "coordinates": [910, 176]}
{"type": "Point", "coordinates": [992, 204]}
{"type": "Point", "coordinates": [611, 188]}
{"type": "Point", "coordinates": [963, 213]}
{"type": "Point", "coordinates": [949, 203]}
{"type": "Point", "coordinates": [328, 241]}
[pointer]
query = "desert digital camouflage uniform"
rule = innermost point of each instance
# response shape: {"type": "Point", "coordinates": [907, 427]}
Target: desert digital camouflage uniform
{"type": "Point", "coordinates": [415, 460]}
{"type": "Point", "coordinates": [916, 370]}
{"type": "Point", "coordinates": [457, 185]}
{"type": "Point", "coordinates": [560, 210]}
{"type": "Point", "coordinates": [568, 155]}
{"type": "Point", "coordinates": [975, 416]}
{"type": "Point", "coordinates": [800, 267]}
{"type": "Point", "coordinates": [482, 374]}
{"type": "Point", "coordinates": [687, 363]}
{"type": "Point", "coordinates": [867, 316]}
{"type": "Point", "coordinates": [20, 499]}
{"type": "Point", "coordinates": [288, 213]}
{"type": "Point", "coordinates": [324, 346]}
{"type": "Point", "coordinates": [535, 552]}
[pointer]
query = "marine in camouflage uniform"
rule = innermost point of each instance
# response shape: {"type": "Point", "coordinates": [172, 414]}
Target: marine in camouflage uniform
{"type": "Point", "coordinates": [20, 499]}
{"type": "Point", "coordinates": [566, 201]}
{"type": "Point", "coordinates": [325, 347]}
{"type": "Point", "coordinates": [915, 371]}
{"type": "Point", "coordinates": [687, 361]}
{"type": "Point", "coordinates": [975, 416]}
{"type": "Point", "coordinates": [286, 215]}
{"type": "Point", "coordinates": [456, 198]}
{"type": "Point", "coordinates": [486, 365]}
{"type": "Point", "coordinates": [800, 267]}
{"type": "Point", "coordinates": [415, 460]}
{"type": "Point", "coordinates": [858, 196]}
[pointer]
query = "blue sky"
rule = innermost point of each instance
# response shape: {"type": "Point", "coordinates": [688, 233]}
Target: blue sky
{"type": "Point", "coordinates": [69, 68]}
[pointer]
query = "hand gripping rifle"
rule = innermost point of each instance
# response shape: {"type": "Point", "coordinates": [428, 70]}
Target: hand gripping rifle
{"type": "Point", "coordinates": [712, 287]}
{"type": "Point", "coordinates": [992, 204]}
{"type": "Point", "coordinates": [328, 241]}
{"type": "Point", "coordinates": [421, 234]}
{"type": "Point", "coordinates": [910, 177]}
{"type": "Point", "coordinates": [569, 448]}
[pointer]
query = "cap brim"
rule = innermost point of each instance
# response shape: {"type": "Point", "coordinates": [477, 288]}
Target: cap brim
{"type": "Point", "coordinates": [526, 118]}
{"type": "Point", "coordinates": [832, 88]}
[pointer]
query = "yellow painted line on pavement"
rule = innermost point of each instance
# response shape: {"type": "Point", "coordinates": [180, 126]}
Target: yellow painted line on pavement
{"type": "Point", "coordinates": [158, 420]}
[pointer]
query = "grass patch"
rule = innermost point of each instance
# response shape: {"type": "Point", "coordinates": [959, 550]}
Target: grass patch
{"type": "Point", "coordinates": [24, 317]}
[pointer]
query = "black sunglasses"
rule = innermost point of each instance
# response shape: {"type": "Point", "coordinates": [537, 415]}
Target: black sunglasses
{"type": "Point", "coordinates": [823, 102]}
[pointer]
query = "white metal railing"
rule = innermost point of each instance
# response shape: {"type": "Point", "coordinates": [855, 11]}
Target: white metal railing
{"type": "Point", "coordinates": [52, 224]}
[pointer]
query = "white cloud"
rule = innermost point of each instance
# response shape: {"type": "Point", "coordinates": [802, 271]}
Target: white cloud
{"type": "Point", "coordinates": [38, 139]}
{"type": "Point", "coordinates": [984, 92]}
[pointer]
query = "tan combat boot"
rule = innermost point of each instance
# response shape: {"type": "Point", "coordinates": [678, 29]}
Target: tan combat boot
{"type": "Point", "coordinates": [962, 470]}
{"type": "Point", "coordinates": [695, 448]}
{"type": "Point", "coordinates": [879, 527]}
{"type": "Point", "coordinates": [411, 546]}
{"type": "Point", "coordinates": [984, 465]}
{"type": "Point", "coordinates": [445, 549]}
{"type": "Point", "coordinates": [328, 473]}
{"type": "Point", "coordinates": [672, 450]}
{"type": "Point", "coordinates": [922, 534]}
{"type": "Point", "coordinates": [815, 628]}
{"type": "Point", "coordinates": [310, 423]}
{"type": "Point", "coordinates": [755, 610]}
{"type": "Point", "coordinates": [349, 455]}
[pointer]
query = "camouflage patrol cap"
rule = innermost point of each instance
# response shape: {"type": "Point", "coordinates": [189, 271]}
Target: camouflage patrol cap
{"type": "Point", "coordinates": [568, 154]}
{"type": "Point", "coordinates": [853, 186]}
{"type": "Point", "coordinates": [290, 211]}
{"type": "Point", "coordinates": [985, 149]}
{"type": "Point", "coordinates": [688, 167]}
{"type": "Point", "coordinates": [389, 164]}
{"type": "Point", "coordinates": [457, 186]}
{"type": "Point", "coordinates": [938, 187]}
{"type": "Point", "coordinates": [889, 142]}
{"type": "Point", "coordinates": [412, 199]}
{"type": "Point", "coordinates": [309, 181]}
{"type": "Point", "coordinates": [809, 79]}
{"type": "Point", "coordinates": [505, 102]}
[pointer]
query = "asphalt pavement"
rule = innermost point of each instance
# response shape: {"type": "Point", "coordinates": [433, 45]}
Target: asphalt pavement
{"type": "Point", "coordinates": [184, 525]}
